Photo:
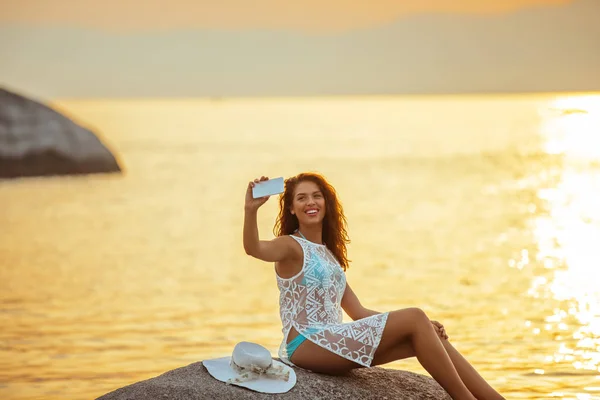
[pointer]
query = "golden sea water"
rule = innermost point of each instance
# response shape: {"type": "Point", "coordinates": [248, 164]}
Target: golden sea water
{"type": "Point", "coordinates": [482, 210]}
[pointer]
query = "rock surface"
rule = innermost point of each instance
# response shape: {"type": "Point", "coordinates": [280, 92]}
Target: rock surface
{"type": "Point", "coordinates": [194, 383]}
{"type": "Point", "coordinates": [35, 140]}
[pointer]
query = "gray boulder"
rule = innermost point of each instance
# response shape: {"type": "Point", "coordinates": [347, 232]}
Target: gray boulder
{"type": "Point", "coordinates": [35, 140]}
{"type": "Point", "coordinates": [194, 383]}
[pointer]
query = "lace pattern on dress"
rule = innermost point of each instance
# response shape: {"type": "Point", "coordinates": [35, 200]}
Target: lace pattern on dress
{"type": "Point", "coordinates": [310, 302]}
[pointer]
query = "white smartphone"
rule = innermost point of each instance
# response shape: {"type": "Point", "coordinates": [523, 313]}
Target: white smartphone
{"type": "Point", "coordinates": [267, 188]}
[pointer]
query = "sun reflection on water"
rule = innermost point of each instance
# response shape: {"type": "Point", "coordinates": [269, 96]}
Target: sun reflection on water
{"type": "Point", "coordinates": [572, 127]}
{"type": "Point", "coordinates": [568, 235]}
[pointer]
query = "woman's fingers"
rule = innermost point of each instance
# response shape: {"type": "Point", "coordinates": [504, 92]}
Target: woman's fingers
{"type": "Point", "coordinates": [257, 180]}
{"type": "Point", "coordinates": [441, 328]}
{"type": "Point", "coordinates": [441, 332]}
{"type": "Point", "coordinates": [262, 178]}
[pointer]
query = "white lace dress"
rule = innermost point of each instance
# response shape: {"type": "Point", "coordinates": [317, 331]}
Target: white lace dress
{"type": "Point", "coordinates": [311, 301]}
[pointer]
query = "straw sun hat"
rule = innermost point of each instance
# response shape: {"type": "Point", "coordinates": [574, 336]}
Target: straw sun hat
{"type": "Point", "coordinates": [251, 366]}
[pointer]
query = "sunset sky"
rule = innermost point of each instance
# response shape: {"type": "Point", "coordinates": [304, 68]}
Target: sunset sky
{"type": "Point", "coordinates": [307, 16]}
{"type": "Point", "coordinates": [63, 48]}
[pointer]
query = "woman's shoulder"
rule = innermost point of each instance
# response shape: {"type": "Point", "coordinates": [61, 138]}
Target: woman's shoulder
{"type": "Point", "coordinates": [301, 242]}
{"type": "Point", "coordinates": [293, 262]}
{"type": "Point", "coordinates": [295, 243]}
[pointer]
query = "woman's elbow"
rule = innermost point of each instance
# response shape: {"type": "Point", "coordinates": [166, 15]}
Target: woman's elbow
{"type": "Point", "coordinates": [250, 250]}
{"type": "Point", "coordinates": [257, 253]}
{"type": "Point", "coordinates": [357, 316]}
{"type": "Point", "coordinates": [354, 314]}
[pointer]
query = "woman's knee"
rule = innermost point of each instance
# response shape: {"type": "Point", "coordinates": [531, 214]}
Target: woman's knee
{"type": "Point", "coordinates": [408, 320]}
{"type": "Point", "coordinates": [417, 315]}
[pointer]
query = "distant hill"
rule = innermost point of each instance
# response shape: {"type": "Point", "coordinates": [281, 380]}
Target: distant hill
{"type": "Point", "coordinates": [533, 50]}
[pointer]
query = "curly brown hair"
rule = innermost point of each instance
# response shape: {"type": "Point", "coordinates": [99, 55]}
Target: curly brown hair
{"type": "Point", "coordinates": [335, 235]}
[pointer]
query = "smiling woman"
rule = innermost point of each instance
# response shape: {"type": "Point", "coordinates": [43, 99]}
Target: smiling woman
{"type": "Point", "coordinates": [310, 260]}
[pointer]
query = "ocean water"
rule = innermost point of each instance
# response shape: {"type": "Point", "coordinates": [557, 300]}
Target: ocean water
{"type": "Point", "coordinates": [482, 210]}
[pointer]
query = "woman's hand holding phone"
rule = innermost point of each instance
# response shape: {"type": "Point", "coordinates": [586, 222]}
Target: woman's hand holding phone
{"type": "Point", "coordinates": [253, 204]}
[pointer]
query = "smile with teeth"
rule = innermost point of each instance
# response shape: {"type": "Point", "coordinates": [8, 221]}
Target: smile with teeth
{"type": "Point", "coordinates": [312, 212]}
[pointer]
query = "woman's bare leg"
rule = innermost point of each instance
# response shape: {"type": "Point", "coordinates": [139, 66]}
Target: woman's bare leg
{"type": "Point", "coordinates": [317, 359]}
{"type": "Point", "coordinates": [469, 375]}
{"type": "Point", "coordinates": [413, 324]}
{"type": "Point", "coordinates": [409, 324]}
{"type": "Point", "coordinates": [474, 382]}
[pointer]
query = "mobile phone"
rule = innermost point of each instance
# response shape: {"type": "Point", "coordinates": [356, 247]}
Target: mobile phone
{"type": "Point", "coordinates": [267, 188]}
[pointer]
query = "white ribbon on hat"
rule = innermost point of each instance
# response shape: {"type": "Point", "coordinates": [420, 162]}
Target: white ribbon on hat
{"type": "Point", "coordinates": [253, 371]}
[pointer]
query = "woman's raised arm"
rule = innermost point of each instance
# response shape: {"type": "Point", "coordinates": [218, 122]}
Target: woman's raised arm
{"type": "Point", "coordinates": [266, 250]}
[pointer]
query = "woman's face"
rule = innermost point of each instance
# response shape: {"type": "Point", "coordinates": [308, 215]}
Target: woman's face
{"type": "Point", "coordinates": [308, 203]}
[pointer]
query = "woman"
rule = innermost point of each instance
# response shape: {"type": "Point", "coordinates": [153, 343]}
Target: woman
{"type": "Point", "coordinates": [309, 253]}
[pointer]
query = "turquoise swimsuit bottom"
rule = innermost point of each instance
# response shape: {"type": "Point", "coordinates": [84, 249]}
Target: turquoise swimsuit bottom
{"type": "Point", "coordinates": [293, 345]}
